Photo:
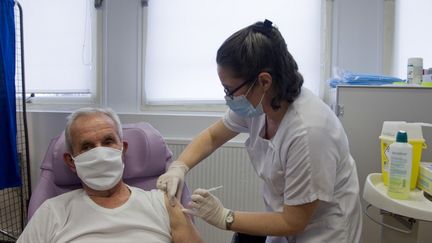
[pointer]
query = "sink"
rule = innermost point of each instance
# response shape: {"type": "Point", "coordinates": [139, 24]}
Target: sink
{"type": "Point", "coordinates": [416, 206]}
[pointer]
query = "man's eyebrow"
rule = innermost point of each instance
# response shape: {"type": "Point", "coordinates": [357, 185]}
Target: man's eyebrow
{"type": "Point", "coordinates": [110, 136]}
{"type": "Point", "coordinates": [85, 142]}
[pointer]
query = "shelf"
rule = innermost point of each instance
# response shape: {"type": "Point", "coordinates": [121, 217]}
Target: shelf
{"type": "Point", "coordinates": [416, 206]}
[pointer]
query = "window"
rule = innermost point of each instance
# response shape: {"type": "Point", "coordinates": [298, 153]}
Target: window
{"type": "Point", "coordinates": [59, 39]}
{"type": "Point", "coordinates": [182, 38]}
{"type": "Point", "coordinates": [412, 38]}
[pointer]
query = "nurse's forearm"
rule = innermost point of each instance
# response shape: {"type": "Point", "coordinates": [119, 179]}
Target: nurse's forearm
{"type": "Point", "coordinates": [264, 224]}
{"type": "Point", "coordinates": [206, 143]}
{"type": "Point", "coordinates": [291, 221]}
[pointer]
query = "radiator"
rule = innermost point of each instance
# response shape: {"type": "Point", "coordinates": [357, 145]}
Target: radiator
{"type": "Point", "coordinates": [228, 166]}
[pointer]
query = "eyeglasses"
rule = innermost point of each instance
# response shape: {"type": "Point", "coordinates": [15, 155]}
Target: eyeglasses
{"type": "Point", "coordinates": [230, 94]}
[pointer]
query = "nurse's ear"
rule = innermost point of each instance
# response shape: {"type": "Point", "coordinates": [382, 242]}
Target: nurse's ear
{"type": "Point", "coordinates": [265, 81]}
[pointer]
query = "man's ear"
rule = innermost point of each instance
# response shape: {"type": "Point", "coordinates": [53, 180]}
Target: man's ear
{"type": "Point", "coordinates": [125, 147]}
{"type": "Point", "coordinates": [67, 157]}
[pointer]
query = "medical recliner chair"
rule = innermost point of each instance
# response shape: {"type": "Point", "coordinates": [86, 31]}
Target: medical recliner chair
{"type": "Point", "coordinates": [146, 158]}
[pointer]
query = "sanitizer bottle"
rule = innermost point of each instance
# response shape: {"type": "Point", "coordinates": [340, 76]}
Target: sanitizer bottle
{"type": "Point", "coordinates": [400, 167]}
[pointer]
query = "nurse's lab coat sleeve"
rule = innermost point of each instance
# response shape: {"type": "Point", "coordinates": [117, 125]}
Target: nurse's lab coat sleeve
{"type": "Point", "coordinates": [311, 167]}
{"type": "Point", "coordinates": [235, 123]}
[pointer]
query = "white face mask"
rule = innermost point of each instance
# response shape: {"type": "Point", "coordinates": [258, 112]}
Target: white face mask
{"type": "Point", "coordinates": [100, 168]}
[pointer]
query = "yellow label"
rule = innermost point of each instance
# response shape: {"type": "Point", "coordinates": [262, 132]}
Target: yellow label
{"type": "Point", "coordinates": [385, 161]}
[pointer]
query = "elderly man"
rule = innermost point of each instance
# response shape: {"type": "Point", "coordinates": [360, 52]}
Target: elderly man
{"type": "Point", "coordinates": [105, 209]}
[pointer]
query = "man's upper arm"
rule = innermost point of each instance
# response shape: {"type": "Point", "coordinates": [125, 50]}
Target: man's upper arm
{"type": "Point", "coordinates": [39, 228]}
{"type": "Point", "coordinates": [182, 228]}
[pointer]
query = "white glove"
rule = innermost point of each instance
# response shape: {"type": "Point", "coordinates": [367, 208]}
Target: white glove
{"type": "Point", "coordinates": [207, 207]}
{"type": "Point", "coordinates": [172, 180]}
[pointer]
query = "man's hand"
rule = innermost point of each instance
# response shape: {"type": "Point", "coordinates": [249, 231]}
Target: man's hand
{"type": "Point", "coordinates": [172, 180]}
{"type": "Point", "coordinates": [207, 207]}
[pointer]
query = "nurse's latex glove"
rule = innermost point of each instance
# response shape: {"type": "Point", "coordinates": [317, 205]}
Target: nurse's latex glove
{"type": "Point", "coordinates": [208, 207]}
{"type": "Point", "coordinates": [172, 180]}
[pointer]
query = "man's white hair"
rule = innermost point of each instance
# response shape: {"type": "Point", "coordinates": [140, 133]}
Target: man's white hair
{"type": "Point", "coordinates": [90, 111]}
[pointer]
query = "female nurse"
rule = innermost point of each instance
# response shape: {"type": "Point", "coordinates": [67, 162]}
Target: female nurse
{"type": "Point", "coordinates": [296, 145]}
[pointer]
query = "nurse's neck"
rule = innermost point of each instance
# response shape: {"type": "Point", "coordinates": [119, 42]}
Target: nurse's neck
{"type": "Point", "coordinates": [273, 120]}
{"type": "Point", "coordinates": [274, 117]}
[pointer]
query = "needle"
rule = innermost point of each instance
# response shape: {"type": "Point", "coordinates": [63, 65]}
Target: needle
{"type": "Point", "coordinates": [214, 188]}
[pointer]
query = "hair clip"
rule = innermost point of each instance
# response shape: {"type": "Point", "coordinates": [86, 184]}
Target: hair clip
{"type": "Point", "coordinates": [268, 24]}
{"type": "Point", "coordinates": [263, 28]}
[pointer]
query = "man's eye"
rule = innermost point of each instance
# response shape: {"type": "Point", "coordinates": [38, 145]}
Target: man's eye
{"type": "Point", "coordinates": [85, 148]}
{"type": "Point", "coordinates": [108, 142]}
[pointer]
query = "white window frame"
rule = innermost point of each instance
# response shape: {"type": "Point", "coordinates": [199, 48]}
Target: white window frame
{"type": "Point", "coordinates": [219, 107]}
{"type": "Point", "coordinates": [58, 101]}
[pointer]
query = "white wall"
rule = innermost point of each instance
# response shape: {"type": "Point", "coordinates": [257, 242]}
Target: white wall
{"type": "Point", "coordinates": [122, 54]}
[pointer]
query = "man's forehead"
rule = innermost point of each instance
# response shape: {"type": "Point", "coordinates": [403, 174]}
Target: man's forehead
{"type": "Point", "coordinates": [95, 124]}
{"type": "Point", "coordinates": [90, 120]}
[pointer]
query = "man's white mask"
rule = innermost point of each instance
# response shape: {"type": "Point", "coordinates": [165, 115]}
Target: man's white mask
{"type": "Point", "coordinates": [100, 168]}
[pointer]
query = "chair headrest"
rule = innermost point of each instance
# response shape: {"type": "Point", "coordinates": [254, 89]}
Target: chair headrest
{"type": "Point", "coordinates": [147, 155]}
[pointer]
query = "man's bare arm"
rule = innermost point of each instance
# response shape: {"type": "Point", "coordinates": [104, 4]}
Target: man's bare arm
{"type": "Point", "coordinates": [182, 228]}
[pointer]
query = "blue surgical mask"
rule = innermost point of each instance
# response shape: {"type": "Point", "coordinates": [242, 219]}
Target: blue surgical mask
{"type": "Point", "coordinates": [242, 106]}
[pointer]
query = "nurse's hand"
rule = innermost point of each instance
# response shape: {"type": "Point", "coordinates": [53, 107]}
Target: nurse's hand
{"type": "Point", "coordinates": [172, 180]}
{"type": "Point", "coordinates": [208, 207]}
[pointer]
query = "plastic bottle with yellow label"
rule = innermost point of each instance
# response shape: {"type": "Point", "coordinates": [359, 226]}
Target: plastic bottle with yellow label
{"type": "Point", "coordinates": [400, 167]}
{"type": "Point", "coordinates": [387, 137]}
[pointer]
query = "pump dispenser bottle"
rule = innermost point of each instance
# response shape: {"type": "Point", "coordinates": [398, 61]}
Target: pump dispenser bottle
{"type": "Point", "coordinates": [400, 167]}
